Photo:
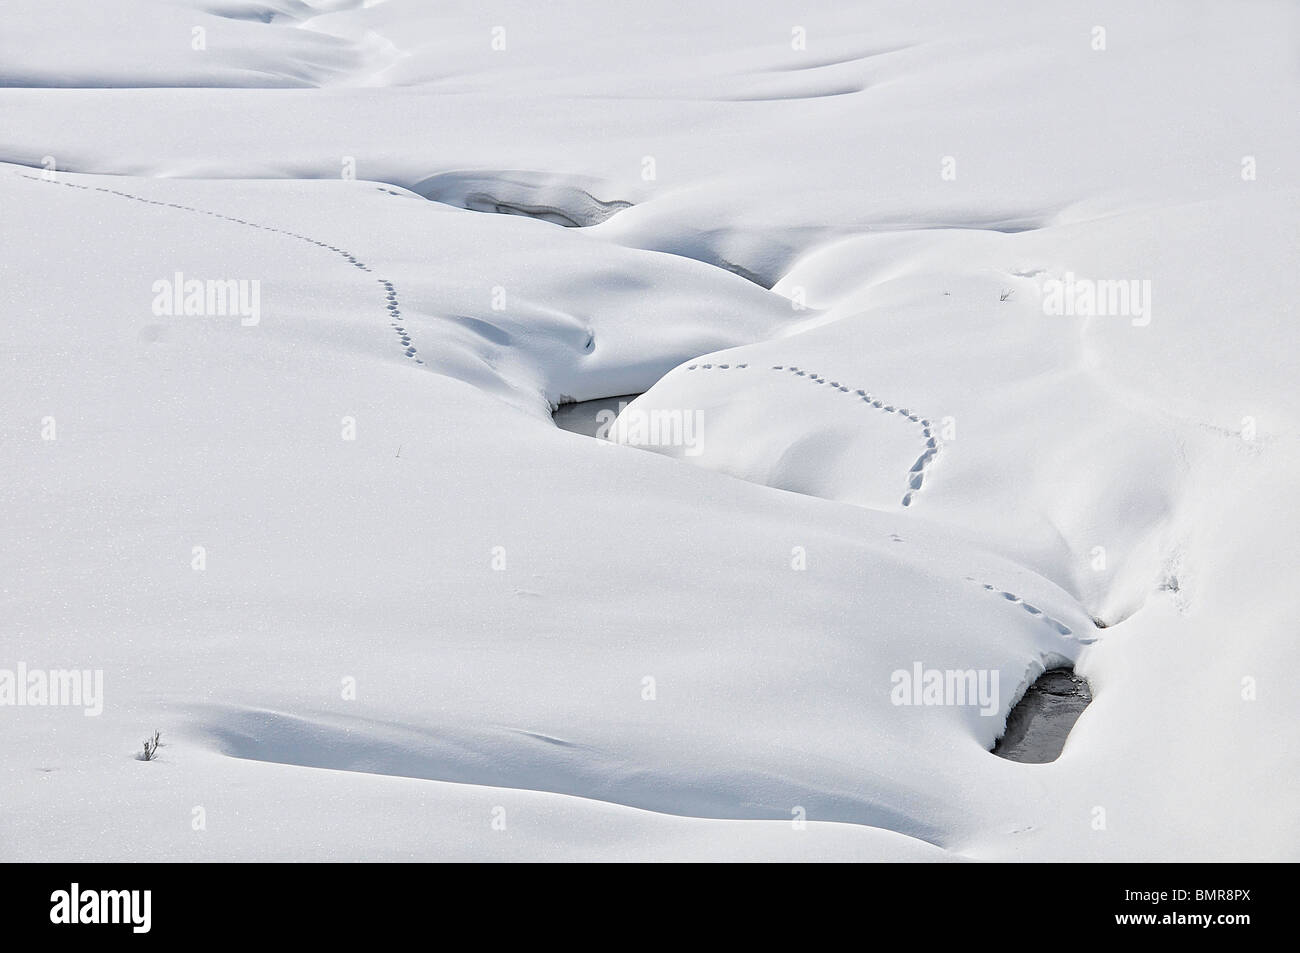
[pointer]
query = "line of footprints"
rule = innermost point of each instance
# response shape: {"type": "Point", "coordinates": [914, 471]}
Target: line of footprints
{"type": "Point", "coordinates": [1056, 625]}
{"type": "Point", "coordinates": [915, 476]}
{"type": "Point", "coordinates": [394, 309]}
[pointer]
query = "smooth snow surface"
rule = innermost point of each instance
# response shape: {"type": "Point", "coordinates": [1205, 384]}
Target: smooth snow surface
{"type": "Point", "coordinates": [821, 241]}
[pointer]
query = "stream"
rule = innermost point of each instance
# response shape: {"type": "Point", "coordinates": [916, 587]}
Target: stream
{"type": "Point", "coordinates": [1039, 724]}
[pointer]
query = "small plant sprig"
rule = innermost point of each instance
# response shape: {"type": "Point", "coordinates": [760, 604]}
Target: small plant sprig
{"type": "Point", "coordinates": [151, 747]}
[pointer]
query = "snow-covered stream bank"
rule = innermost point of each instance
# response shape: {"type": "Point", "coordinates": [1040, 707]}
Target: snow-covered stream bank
{"type": "Point", "coordinates": [1036, 728]}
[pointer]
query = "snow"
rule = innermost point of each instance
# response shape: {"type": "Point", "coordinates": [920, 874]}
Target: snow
{"type": "Point", "coordinates": [433, 641]}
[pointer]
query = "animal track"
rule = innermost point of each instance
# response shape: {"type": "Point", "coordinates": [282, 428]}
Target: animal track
{"type": "Point", "coordinates": [394, 311]}
{"type": "Point", "coordinates": [916, 475]}
{"type": "Point", "coordinates": [1055, 624]}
